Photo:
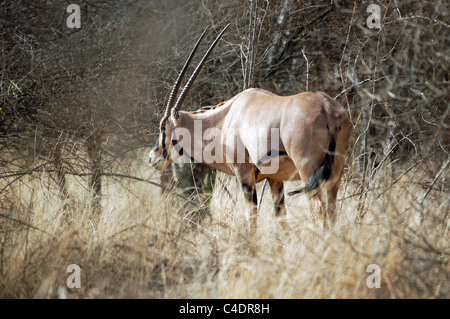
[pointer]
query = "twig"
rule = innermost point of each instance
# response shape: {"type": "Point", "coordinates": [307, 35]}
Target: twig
{"type": "Point", "coordinates": [225, 188]}
{"type": "Point", "coordinates": [351, 87]}
{"type": "Point", "coordinates": [307, 69]}
{"type": "Point", "coordinates": [261, 195]}
{"type": "Point", "coordinates": [170, 189]}
{"type": "Point", "coordinates": [39, 167]}
{"type": "Point", "coordinates": [251, 48]}
{"type": "Point", "coordinates": [420, 17]}
{"type": "Point", "coordinates": [20, 174]}
{"type": "Point", "coordinates": [392, 184]}
{"type": "Point", "coordinates": [444, 166]}
{"type": "Point", "coordinates": [343, 54]}
{"type": "Point", "coordinates": [24, 224]}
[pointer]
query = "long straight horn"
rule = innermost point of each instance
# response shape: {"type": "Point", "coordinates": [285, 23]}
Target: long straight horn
{"type": "Point", "coordinates": [177, 84]}
{"type": "Point", "coordinates": [188, 85]}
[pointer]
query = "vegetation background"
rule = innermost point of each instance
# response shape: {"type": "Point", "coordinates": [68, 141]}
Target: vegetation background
{"type": "Point", "coordinates": [79, 112]}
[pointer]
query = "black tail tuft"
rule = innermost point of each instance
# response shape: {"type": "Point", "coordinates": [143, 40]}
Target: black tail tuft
{"type": "Point", "coordinates": [321, 174]}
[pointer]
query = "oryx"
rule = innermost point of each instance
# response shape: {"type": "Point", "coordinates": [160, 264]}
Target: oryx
{"type": "Point", "coordinates": [305, 136]}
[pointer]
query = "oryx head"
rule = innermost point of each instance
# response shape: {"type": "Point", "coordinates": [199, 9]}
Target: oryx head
{"type": "Point", "coordinates": [163, 153]}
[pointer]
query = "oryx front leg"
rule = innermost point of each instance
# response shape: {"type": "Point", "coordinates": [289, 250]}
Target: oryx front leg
{"type": "Point", "coordinates": [251, 202]}
{"type": "Point", "coordinates": [277, 190]}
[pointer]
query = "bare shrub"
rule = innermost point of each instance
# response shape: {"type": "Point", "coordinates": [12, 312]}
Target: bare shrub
{"type": "Point", "coordinates": [79, 111]}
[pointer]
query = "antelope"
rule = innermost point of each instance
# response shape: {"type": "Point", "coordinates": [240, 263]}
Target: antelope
{"type": "Point", "coordinates": [311, 143]}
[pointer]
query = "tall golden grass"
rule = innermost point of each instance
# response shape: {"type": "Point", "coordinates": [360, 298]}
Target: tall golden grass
{"type": "Point", "coordinates": [145, 244]}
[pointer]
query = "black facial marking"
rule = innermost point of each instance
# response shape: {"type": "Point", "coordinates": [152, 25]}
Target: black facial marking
{"type": "Point", "coordinates": [163, 142]}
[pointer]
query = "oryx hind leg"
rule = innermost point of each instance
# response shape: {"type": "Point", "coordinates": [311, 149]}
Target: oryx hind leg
{"type": "Point", "coordinates": [317, 196]}
{"type": "Point", "coordinates": [325, 199]}
{"type": "Point", "coordinates": [322, 208]}
{"type": "Point", "coordinates": [331, 201]}
{"type": "Point", "coordinates": [332, 191]}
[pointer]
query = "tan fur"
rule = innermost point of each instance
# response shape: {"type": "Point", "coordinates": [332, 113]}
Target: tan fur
{"type": "Point", "coordinates": [306, 121]}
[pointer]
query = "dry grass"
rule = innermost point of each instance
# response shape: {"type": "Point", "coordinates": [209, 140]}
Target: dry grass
{"type": "Point", "coordinates": [144, 245]}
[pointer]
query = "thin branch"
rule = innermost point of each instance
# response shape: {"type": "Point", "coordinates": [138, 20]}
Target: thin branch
{"type": "Point", "coordinates": [444, 166]}
{"type": "Point", "coordinates": [39, 169]}
{"type": "Point", "coordinates": [307, 69]}
{"type": "Point", "coordinates": [24, 224]}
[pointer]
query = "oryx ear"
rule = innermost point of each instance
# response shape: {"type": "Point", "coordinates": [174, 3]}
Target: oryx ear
{"type": "Point", "coordinates": [175, 117]}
